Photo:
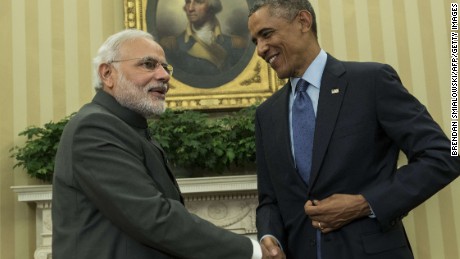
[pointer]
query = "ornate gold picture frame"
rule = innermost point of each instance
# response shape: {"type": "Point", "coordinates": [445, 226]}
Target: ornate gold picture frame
{"type": "Point", "coordinates": [244, 83]}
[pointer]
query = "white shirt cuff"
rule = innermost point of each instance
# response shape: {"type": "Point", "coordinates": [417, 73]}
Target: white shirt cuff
{"type": "Point", "coordinates": [372, 214]}
{"type": "Point", "coordinates": [256, 250]}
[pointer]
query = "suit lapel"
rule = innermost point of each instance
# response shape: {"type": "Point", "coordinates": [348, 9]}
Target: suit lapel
{"type": "Point", "coordinates": [279, 111]}
{"type": "Point", "coordinates": [333, 89]}
{"type": "Point", "coordinates": [281, 124]}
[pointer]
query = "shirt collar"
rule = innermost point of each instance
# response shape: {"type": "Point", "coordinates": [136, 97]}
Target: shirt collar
{"type": "Point", "coordinates": [189, 30]}
{"type": "Point", "coordinates": [133, 118]}
{"type": "Point", "coordinates": [314, 72]}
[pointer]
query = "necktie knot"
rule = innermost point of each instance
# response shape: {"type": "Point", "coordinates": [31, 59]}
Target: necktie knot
{"type": "Point", "coordinates": [302, 85]}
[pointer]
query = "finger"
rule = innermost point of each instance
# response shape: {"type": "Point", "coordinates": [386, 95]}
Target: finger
{"type": "Point", "coordinates": [265, 253]}
{"type": "Point", "coordinates": [271, 246]}
{"type": "Point", "coordinates": [280, 255]}
{"type": "Point", "coordinates": [321, 226]}
{"type": "Point", "coordinates": [315, 224]}
{"type": "Point", "coordinates": [269, 242]}
{"type": "Point", "coordinates": [309, 208]}
{"type": "Point", "coordinates": [327, 230]}
{"type": "Point", "coordinates": [275, 252]}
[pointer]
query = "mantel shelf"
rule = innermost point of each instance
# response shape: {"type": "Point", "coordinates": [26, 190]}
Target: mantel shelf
{"type": "Point", "coordinates": [199, 185]}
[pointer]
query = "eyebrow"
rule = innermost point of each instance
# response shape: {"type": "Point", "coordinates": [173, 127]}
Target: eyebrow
{"type": "Point", "coordinates": [154, 58]}
{"type": "Point", "coordinates": [165, 62]}
{"type": "Point", "coordinates": [260, 34]}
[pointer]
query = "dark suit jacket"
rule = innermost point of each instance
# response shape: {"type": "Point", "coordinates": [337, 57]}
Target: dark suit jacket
{"type": "Point", "coordinates": [365, 117]}
{"type": "Point", "coordinates": [115, 197]}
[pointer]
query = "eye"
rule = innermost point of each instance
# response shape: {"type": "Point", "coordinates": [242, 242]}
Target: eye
{"type": "Point", "coordinates": [266, 34]}
{"type": "Point", "coordinates": [149, 63]}
{"type": "Point", "coordinates": [168, 68]}
{"type": "Point", "coordinates": [165, 67]}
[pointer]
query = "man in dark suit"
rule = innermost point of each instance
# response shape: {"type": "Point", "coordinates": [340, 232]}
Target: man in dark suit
{"type": "Point", "coordinates": [114, 195]}
{"type": "Point", "coordinates": [349, 200]}
{"type": "Point", "coordinates": [202, 48]}
{"type": "Point", "coordinates": [192, 56]}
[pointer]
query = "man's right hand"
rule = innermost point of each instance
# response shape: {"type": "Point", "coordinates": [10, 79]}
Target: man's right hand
{"type": "Point", "coordinates": [270, 249]}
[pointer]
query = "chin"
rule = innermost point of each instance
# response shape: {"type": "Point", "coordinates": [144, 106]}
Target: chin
{"type": "Point", "coordinates": [282, 75]}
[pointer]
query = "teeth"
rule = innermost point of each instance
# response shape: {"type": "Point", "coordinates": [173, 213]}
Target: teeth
{"type": "Point", "coordinates": [271, 59]}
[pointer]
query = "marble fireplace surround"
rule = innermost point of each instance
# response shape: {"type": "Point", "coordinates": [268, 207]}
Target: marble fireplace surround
{"type": "Point", "coordinates": [226, 201]}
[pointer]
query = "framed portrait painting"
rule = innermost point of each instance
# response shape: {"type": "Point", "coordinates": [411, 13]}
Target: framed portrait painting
{"type": "Point", "coordinates": [214, 68]}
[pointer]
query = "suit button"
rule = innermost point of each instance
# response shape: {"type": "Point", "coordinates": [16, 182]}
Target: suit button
{"type": "Point", "coordinates": [312, 242]}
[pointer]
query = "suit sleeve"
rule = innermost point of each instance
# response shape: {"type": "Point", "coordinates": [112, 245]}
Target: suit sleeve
{"type": "Point", "coordinates": [430, 167]}
{"type": "Point", "coordinates": [269, 221]}
{"type": "Point", "coordinates": [109, 168]}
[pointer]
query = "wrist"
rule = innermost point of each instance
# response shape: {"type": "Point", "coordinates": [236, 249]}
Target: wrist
{"type": "Point", "coordinates": [364, 207]}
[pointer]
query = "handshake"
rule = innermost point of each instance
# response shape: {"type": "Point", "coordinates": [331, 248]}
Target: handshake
{"type": "Point", "coordinates": [270, 249]}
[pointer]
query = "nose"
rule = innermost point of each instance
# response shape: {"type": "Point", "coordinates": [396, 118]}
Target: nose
{"type": "Point", "coordinates": [190, 6]}
{"type": "Point", "coordinates": [262, 48]}
{"type": "Point", "coordinates": [161, 74]}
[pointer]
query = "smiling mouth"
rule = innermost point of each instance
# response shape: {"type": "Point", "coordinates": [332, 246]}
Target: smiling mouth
{"type": "Point", "coordinates": [271, 60]}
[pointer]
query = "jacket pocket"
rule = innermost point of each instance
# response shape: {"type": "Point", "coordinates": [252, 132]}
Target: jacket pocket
{"type": "Point", "coordinates": [384, 241]}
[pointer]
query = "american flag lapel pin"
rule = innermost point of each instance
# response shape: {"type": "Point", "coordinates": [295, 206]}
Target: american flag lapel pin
{"type": "Point", "coordinates": [335, 91]}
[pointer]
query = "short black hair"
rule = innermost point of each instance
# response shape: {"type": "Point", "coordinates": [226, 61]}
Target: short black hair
{"type": "Point", "coordinates": [287, 9]}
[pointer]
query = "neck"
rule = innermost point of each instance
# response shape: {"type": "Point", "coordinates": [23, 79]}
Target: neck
{"type": "Point", "coordinates": [311, 53]}
{"type": "Point", "coordinates": [208, 25]}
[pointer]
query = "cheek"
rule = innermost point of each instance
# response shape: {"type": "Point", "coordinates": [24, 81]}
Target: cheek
{"type": "Point", "coordinates": [290, 49]}
{"type": "Point", "coordinates": [201, 11]}
{"type": "Point", "coordinates": [142, 80]}
{"type": "Point", "coordinates": [285, 49]}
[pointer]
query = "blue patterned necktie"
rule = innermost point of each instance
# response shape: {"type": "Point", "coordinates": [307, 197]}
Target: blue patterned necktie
{"type": "Point", "coordinates": [303, 129]}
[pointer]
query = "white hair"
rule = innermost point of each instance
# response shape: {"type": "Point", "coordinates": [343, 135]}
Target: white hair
{"type": "Point", "coordinates": [110, 50]}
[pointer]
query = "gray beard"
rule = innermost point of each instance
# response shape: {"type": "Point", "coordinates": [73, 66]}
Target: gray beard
{"type": "Point", "coordinates": [137, 99]}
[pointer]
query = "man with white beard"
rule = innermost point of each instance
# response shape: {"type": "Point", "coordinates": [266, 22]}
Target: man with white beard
{"type": "Point", "coordinates": [114, 195]}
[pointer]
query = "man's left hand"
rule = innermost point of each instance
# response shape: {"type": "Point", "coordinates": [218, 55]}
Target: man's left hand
{"type": "Point", "coordinates": [336, 211]}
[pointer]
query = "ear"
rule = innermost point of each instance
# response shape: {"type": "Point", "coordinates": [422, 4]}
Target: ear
{"type": "Point", "coordinates": [306, 20]}
{"type": "Point", "coordinates": [106, 73]}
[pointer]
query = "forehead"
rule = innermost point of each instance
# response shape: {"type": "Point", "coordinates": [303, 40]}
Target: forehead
{"type": "Point", "coordinates": [263, 19]}
{"type": "Point", "coordinates": [141, 47]}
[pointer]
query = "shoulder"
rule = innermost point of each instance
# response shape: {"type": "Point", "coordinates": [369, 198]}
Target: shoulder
{"type": "Point", "coordinates": [359, 66]}
{"type": "Point", "coordinates": [281, 95]}
{"type": "Point", "coordinates": [233, 41]}
{"type": "Point", "coordinates": [365, 66]}
{"type": "Point", "coordinates": [169, 42]}
{"type": "Point", "coordinates": [359, 69]}
{"type": "Point", "coordinates": [238, 42]}
{"type": "Point", "coordinates": [378, 72]}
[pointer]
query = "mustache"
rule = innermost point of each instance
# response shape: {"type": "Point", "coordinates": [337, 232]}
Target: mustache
{"type": "Point", "coordinates": [157, 87]}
